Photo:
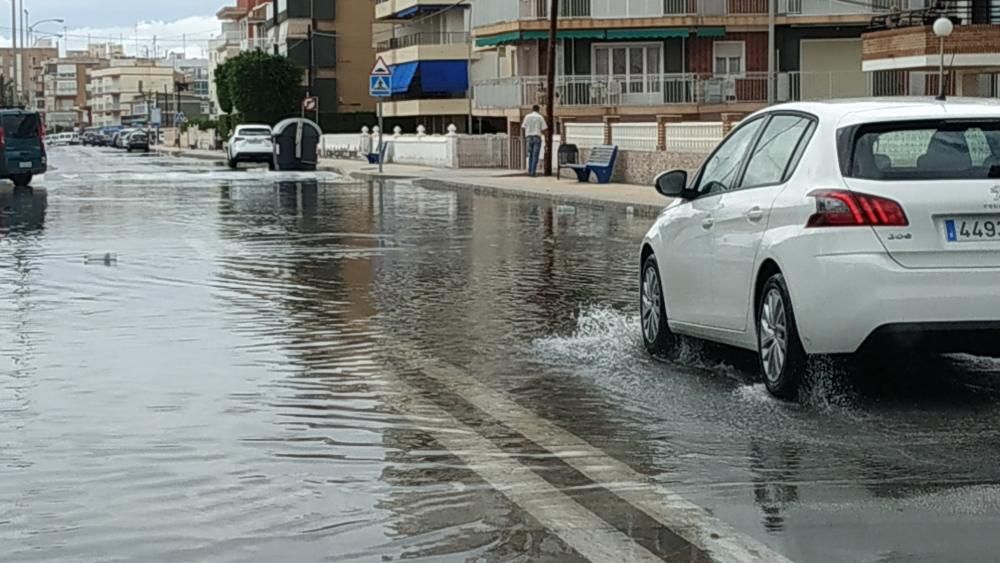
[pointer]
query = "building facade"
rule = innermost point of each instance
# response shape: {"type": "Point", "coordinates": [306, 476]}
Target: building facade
{"type": "Point", "coordinates": [65, 90]}
{"type": "Point", "coordinates": [29, 79]}
{"type": "Point", "coordinates": [331, 40]}
{"type": "Point", "coordinates": [428, 47]}
{"type": "Point", "coordinates": [111, 91]}
{"type": "Point", "coordinates": [646, 60]}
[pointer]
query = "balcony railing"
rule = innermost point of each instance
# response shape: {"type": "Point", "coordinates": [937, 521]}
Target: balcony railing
{"type": "Point", "coordinates": [501, 11]}
{"type": "Point", "coordinates": [255, 44]}
{"type": "Point", "coordinates": [705, 89]}
{"type": "Point", "coordinates": [423, 38]}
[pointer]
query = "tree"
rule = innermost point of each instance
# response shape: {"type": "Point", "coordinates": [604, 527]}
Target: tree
{"type": "Point", "coordinates": [262, 87]}
{"type": "Point", "coordinates": [222, 88]}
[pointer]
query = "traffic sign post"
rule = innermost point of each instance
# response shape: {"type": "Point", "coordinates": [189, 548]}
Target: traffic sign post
{"type": "Point", "coordinates": [380, 86]}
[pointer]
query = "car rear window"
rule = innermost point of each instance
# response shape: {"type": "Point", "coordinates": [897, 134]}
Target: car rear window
{"type": "Point", "coordinates": [21, 126]}
{"type": "Point", "coordinates": [924, 150]}
{"type": "Point", "coordinates": [255, 132]}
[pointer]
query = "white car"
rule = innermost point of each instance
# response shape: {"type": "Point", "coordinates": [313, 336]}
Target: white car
{"type": "Point", "coordinates": [250, 143]}
{"type": "Point", "coordinates": [830, 228]}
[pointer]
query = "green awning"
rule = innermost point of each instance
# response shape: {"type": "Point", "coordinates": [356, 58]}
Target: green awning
{"type": "Point", "coordinates": [499, 39]}
{"type": "Point", "coordinates": [650, 33]}
{"type": "Point", "coordinates": [711, 32]}
{"type": "Point", "coordinates": [566, 34]}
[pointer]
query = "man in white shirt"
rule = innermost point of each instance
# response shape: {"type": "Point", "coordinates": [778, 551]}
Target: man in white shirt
{"type": "Point", "coordinates": [534, 125]}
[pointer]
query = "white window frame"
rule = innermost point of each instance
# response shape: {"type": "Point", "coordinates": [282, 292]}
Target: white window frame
{"type": "Point", "coordinates": [611, 45]}
{"type": "Point", "coordinates": [743, 58]}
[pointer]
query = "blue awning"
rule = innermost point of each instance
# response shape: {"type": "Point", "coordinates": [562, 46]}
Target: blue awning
{"type": "Point", "coordinates": [443, 76]}
{"type": "Point", "coordinates": [423, 9]}
{"type": "Point", "coordinates": [402, 76]}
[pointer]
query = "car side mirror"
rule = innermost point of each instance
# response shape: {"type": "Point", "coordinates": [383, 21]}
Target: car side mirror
{"type": "Point", "coordinates": [672, 183]}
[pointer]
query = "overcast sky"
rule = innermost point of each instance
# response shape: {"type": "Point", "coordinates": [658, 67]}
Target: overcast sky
{"type": "Point", "coordinates": [105, 20]}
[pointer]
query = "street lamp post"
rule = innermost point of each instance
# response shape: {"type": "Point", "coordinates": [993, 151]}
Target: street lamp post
{"type": "Point", "coordinates": [31, 28]}
{"type": "Point", "coordinates": [942, 28]}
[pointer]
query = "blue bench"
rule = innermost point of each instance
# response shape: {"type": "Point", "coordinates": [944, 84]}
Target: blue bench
{"type": "Point", "coordinates": [601, 163]}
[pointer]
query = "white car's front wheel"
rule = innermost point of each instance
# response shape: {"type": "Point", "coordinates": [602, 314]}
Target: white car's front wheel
{"type": "Point", "coordinates": [656, 333]}
{"type": "Point", "coordinates": [782, 359]}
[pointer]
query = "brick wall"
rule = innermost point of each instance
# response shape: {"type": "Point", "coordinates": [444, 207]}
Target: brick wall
{"type": "Point", "coordinates": [920, 41]}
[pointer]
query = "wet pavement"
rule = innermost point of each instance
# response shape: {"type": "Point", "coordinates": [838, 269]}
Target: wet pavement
{"type": "Point", "coordinates": [198, 364]}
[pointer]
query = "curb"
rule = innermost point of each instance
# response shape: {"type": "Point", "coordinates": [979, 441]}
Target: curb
{"type": "Point", "coordinates": [638, 209]}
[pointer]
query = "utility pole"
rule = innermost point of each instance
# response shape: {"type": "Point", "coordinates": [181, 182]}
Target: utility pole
{"type": "Point", "coordinates": [154, 47]}
{"type": "Point", "coordinates": [771, 66]}
{"type": "Point", "coordinates": [550, 84]}
{"type": "Point", "coordinates": [26, 28]}
{"type": "Point", "coordinates": [13, 42]}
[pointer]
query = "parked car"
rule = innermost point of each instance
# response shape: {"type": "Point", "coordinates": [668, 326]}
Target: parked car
{"type": "Point", "coordinates": [832, 228]}
{"type": "Point", "coordinates": [22, 144]}
{"type": "Point", "coordinates": [137, 140]}
{"type": "Point", "coordinates": [250, 143]}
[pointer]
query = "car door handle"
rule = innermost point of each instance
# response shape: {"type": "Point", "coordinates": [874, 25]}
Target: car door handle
{"type": "Point", "coordinates": [707, 223]}
{"type": "Point", "coordinates": [755, 214]}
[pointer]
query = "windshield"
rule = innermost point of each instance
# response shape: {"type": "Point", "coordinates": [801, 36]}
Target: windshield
{"type": "Point", "coordinates": [925, 150]}
{"type": "Point", "coordinates": [255, 132]}
{"type": "Point", "coordinates": [21, 126]}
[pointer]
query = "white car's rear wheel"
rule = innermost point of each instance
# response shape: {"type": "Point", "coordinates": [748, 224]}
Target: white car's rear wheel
{"type": "Point", "coordinates": [656, 333]}
{"type": "Point", "coordinates": [782, 359]}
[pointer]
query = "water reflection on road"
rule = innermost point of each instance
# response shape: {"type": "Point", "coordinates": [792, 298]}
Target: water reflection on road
{"type": "Point", "coordinates": [237, 385]}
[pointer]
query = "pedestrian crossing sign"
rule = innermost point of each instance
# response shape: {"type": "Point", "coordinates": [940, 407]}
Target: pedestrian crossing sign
{"type": "Point", "coordinates": [380, 86]}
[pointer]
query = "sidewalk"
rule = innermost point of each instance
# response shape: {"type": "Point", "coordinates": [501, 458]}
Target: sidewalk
{"type": "Point", "coordinates": [640, 200]}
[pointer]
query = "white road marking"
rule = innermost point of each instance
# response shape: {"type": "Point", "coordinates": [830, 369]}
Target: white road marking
{"type": "Point", "coordinates": [688, 520]}
{"type": "Point", "coordinates": [576, 526]}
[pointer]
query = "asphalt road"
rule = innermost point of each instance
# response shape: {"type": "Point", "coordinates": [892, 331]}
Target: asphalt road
{"type": "Point", "coordinates": [205, 365]}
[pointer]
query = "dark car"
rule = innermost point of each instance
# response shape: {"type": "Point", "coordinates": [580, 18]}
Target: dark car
{"type": "Point", "coordinates": [22, 144]}
{"type": "Point", "coordinates": [137, 140]}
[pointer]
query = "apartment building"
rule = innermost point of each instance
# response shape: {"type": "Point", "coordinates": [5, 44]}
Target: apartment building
{"type": "Point", "coordinates": [29, 80]}
{"type": "Point", "coordinates": [330, 39]}
{"type": "Point", "coordinates": [111, 91]}
{"type": "Point", "coordinates": [65, 89]}
{"type": "Point", "coordinates": [428, 47]}
{"type": "Point", "coordinates": [677, 59]}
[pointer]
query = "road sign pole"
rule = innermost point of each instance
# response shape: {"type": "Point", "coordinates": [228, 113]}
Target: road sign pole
{"type": "Point", "coordinates": [381, 133]}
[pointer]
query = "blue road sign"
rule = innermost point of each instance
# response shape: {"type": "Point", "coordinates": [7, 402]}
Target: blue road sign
{"type": "Point", "coordinates": [380, 86]}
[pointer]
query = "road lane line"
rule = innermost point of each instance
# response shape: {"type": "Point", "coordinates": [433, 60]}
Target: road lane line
{"type": "Point", "coordinates": [577, 527]}
{"type": "Point", "coordinates": [688, 520]}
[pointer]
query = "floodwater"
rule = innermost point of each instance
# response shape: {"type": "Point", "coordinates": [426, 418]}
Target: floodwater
{"type": "Point", "coordinates": [205, 365]}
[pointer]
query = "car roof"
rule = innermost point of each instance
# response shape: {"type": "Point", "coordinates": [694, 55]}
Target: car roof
{"type": "Point", "coordinates": [252, 125]}
{"type": "Point", "coordinates": [848, 112]}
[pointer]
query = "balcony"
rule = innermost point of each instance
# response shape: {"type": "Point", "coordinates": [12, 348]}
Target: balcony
{"type": "Point", "coordinates": [255, 44]}
{"type": "Point", "coordinates": [413, 108]}
{"type": "Point", "coordinates": [392, 9]}
{"type": "Point", "coordinates": [970, 47]}
{"type": "Point", "coordinates": [505, 15]}
{"type": "Point", "coordinates": [424, 46]}
{"type": "Point", "coordinates": [650, 93]}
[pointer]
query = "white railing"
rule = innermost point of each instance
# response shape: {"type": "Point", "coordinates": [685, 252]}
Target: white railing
{"type": "Point", "coordinates": [585, 134]}
{"type": "Point", "coordinates": [255, 44]}
{"type": "Point", "coordinates": [681, 89]}
{"type": "Point", "coordinates": [634, 136]}
{"type": "Point", "coordinates": [495, 12]}
{"type": "Point", "coordinates": [693, 137]}
{"type": "Point", "coordinates": [611, 90]}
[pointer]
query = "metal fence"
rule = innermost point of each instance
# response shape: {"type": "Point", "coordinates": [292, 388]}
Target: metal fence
{"type": "Point", "coordinates": [584, 134]}
{"type": "Point", "coordinates": [634, 136]}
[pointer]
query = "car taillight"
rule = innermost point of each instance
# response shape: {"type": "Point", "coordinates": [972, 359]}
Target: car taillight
{"type": "Point", "coordinates": [3, 139]}
{"type": "Point", "coordinates": [842, 208]}
{"type": "Point", "coordinates": [238, 139]}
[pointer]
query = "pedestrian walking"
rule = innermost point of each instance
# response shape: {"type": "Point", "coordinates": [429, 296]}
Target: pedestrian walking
{"type": "Point", "coordinates": [534, 125]}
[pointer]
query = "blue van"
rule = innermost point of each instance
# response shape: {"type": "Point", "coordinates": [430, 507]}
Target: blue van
{"type": "Point", "coordinates": [22, 145]}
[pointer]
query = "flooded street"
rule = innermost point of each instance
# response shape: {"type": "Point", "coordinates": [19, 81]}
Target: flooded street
{"type": "Point", "coordinates": [205, 365]}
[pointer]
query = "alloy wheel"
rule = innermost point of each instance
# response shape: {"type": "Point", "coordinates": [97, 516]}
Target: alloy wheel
{"type": "Point", "coordinates": [650, 304]}
{"type": "Point", "coordinates": [773, 335]}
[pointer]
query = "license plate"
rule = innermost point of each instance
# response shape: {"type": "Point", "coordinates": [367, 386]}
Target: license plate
{"type": "Point", "coordinates": [25, 165]}
{"type": "Point", "coordinates": [973, 229]}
